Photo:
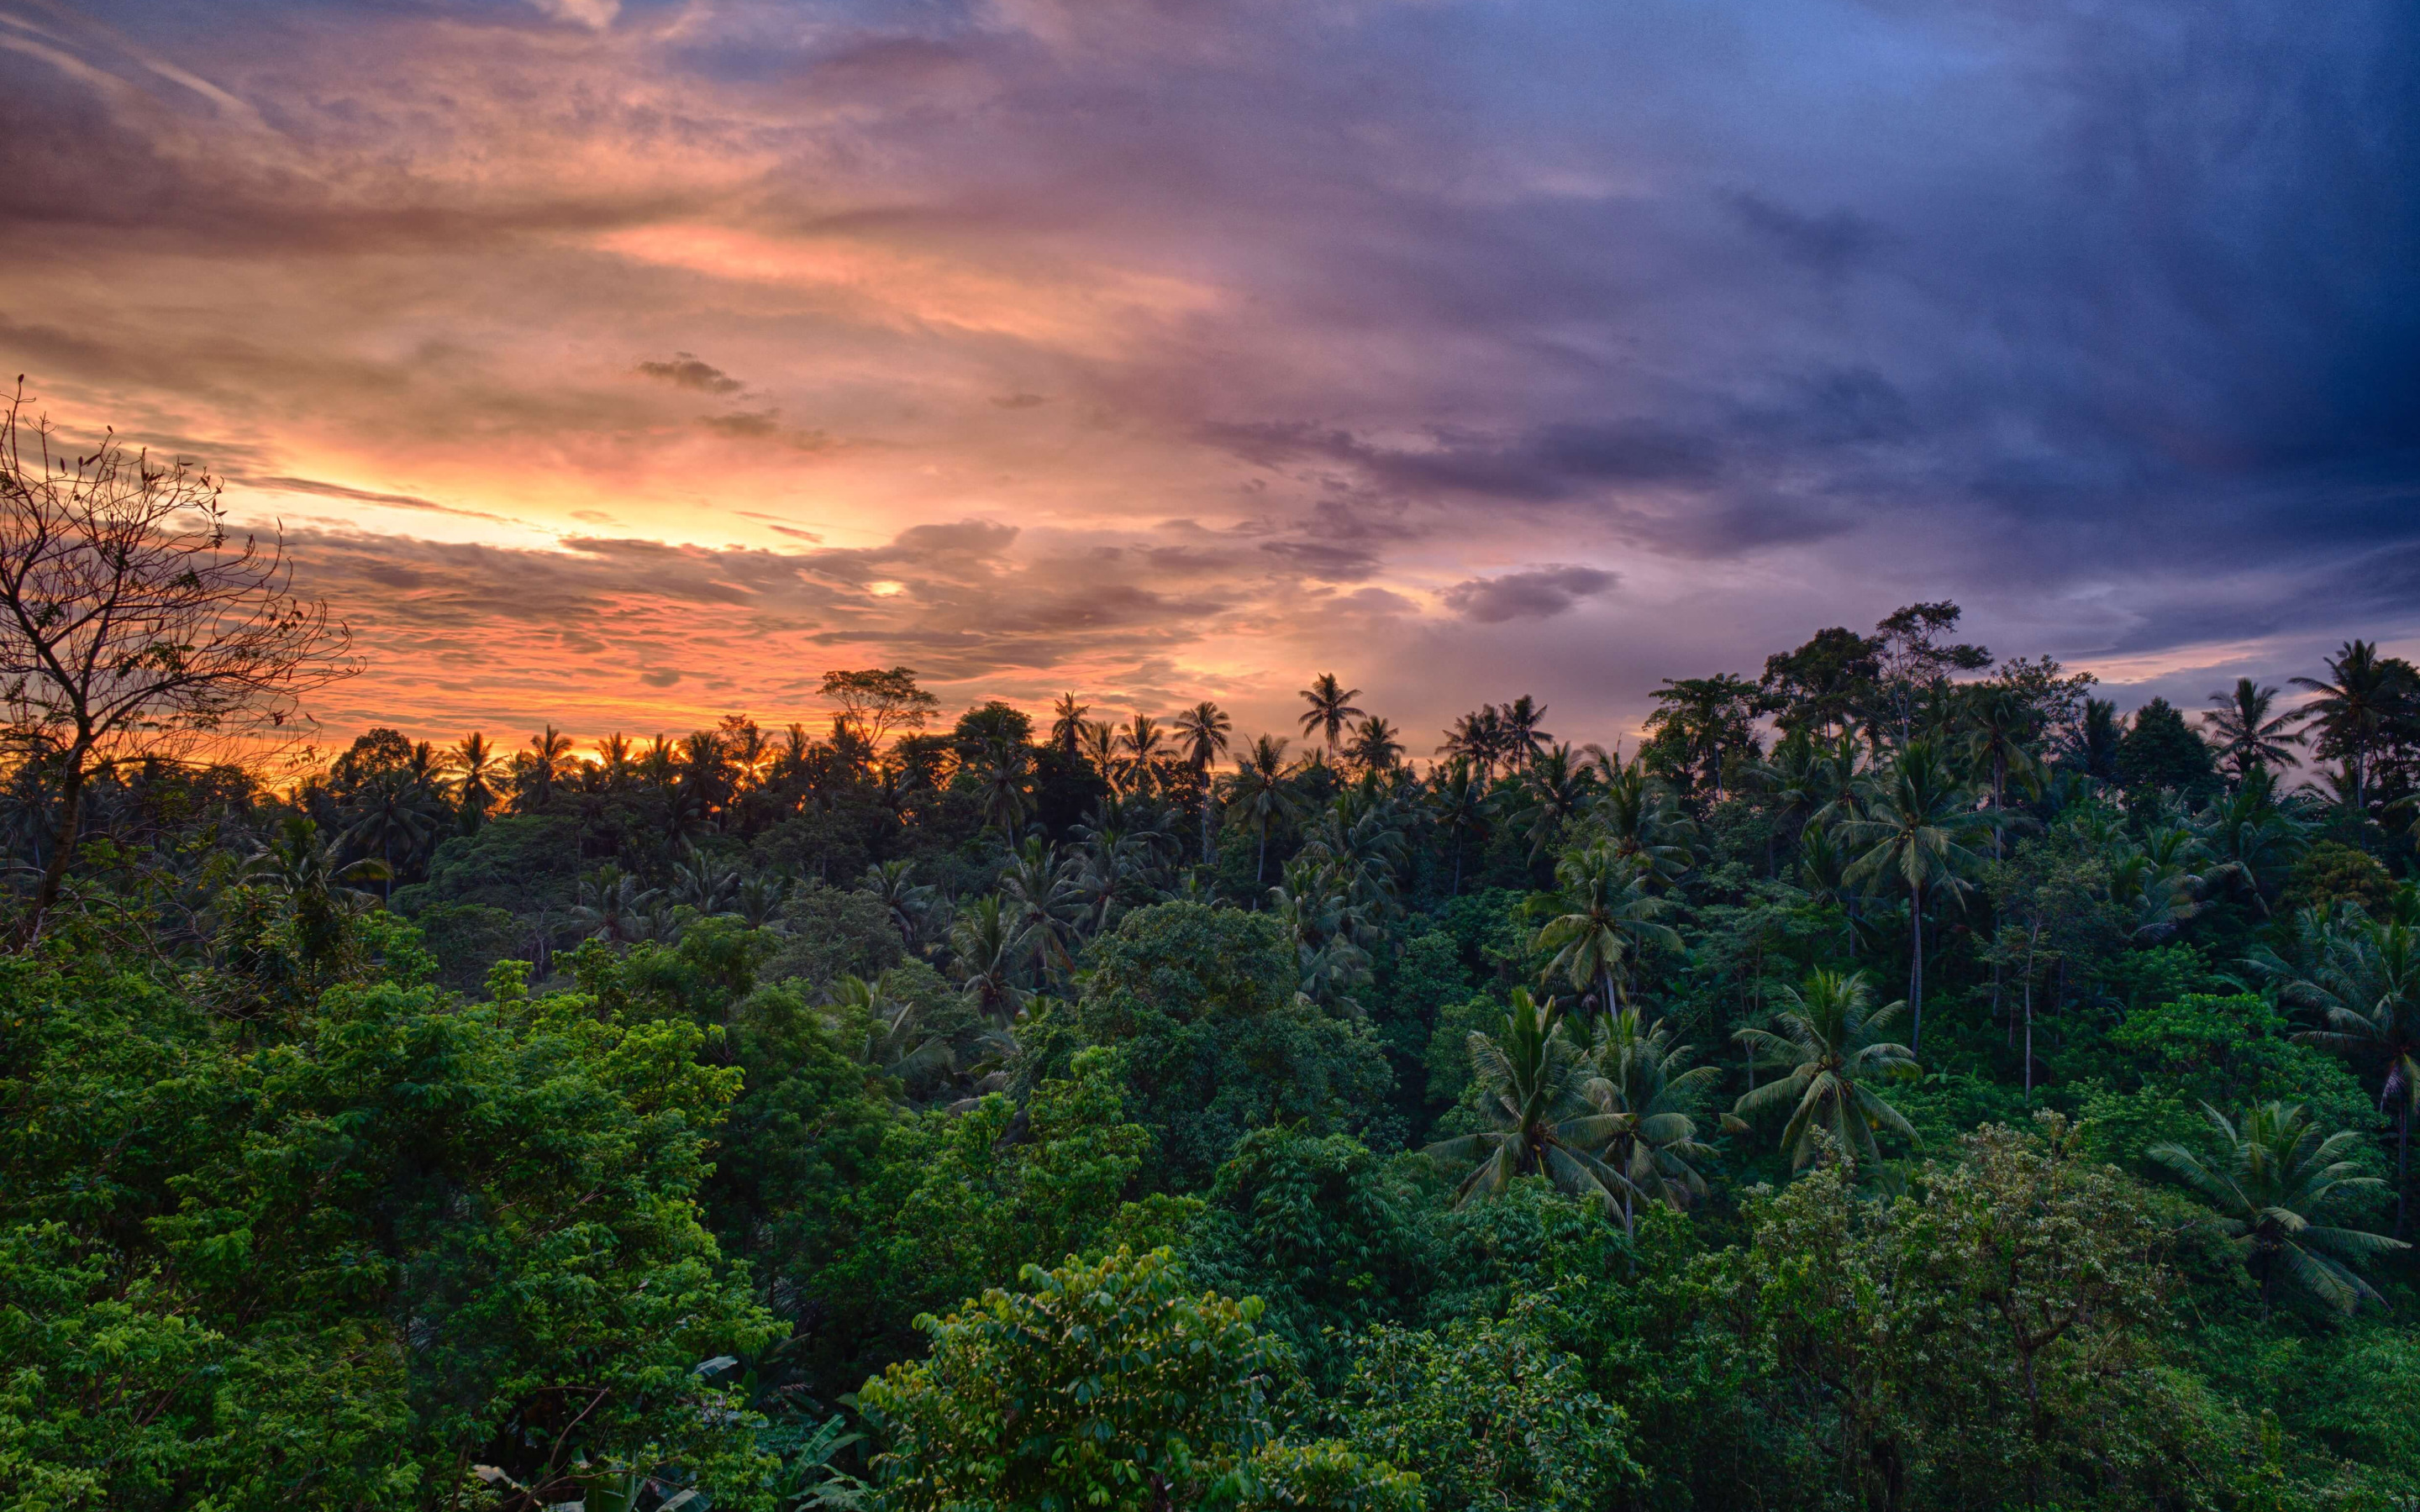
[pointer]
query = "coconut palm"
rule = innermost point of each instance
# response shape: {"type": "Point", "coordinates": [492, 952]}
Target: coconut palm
{"type": "Point", "coordinates": [903, 901]}
{"type": "Point", "coordinates": [2357, 704]}
{"type": "Point", "coordinates": [884, 1033]}
{"type": "Point", "coordinates": [1101, 748]}
{"type": "Point", "coordinates": [1258, 795]}
{"type": "Point", "coordinates": [1462, 805]}
{"type": "Point", "coordinates": [2268, 1180]}
{"type": "Point", "coordinates": [1644, 1078]}
{"type": "Point", "coordinates": [1535, 1080]}
{"type": "Point", "coordinates": [1000, 778]}
{"type": "Point", "coordinates": [1202, 733]}
{"type": "Point", "coordinates": [1331, 707]}
{"type": "Point", "coordinates": [1522, 738]}
{"type": "Point", "coordinates": [1556, 789]}
{"type": "Point", "coordinates": [396, 806]}
{"type": "Point", "coordinates": [613, 906]}
{"type": "Point", "coordinates": [2251, 837]}
{"type": "Point", "coordinates": [704, 884]}
{"type": "Point", "coordinates": [476, 771]}
{"type": "Point", "coordinates": [987, 945]}
{"type": "Point", "coordinates": [1639, 818]}
{"type": "Point", "coordinates": [547, 762]}
{"type": "Point", "coordinates": [2366, 988]}
{"type": "Point", "coordinates": [1611, 919]}
{"type": "Point", "coordinates": [758, 901]}
{"type": "Point", "coordinates": [1917, 816]}
{"type": "Point", "coordinates": [2246, 734]}
{"type": "Point", "coordinates": [1037, 882]}
{"type": "Point", "coordinates": [1067, 725]}
{"type": "Point", "coordinates": [1831, 1047]}
{"type": "Point", "coordinates": [1998, 731]}
{"type": "Point", "coordinates": [1376, 746]}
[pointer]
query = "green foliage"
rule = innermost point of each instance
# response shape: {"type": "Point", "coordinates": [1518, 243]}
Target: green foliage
{"type": "Point", "coordinates": [1109, 1386]}
{"type": "Point", "coordinates": [410, 1234]}
{"type": "Point", "coordinates": [465, 939]}
{"type": "Point", "coordinates": [2330, 872]}
{"type": "Point", "coordinates": [1488, 1413]}
{"type": "Point", "coordinates": [1326, 1476]}
{"type": "Point", "coordinates": [1212, 1040]}
{"type": "Point", "coordinates": [519, 862]}
{"type": "Point", "coordinates": [2223, 1051]}
{"type": "Point", "coordinates": [2160, 750]}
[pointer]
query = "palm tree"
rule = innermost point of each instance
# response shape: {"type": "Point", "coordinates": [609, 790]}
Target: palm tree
{"type": "Point", "coordinates": [1522, 738]}
{"type": "Point", "coordinates": [1375, 747]}
{"type": "Point", "coordinates": [394, 805]}
{"type": "Point", "coordinates": [613, 905]}
{"type": "Point", "coordinates": [1037, 883]}
{"type": "Point", "coordinates": [704, 884]}
{"type": "Point", "coordinates": [2365, 987]}
{"type": "Point", "coordinates": [1535, 1083]}
{"type": "Point", "coordinates": [1201, 732]}
{"type": "Point", "coordinates": [1141, 741]}
{"type": "Point", "coordinates": [1644, 1078]}
{"type": "Point", "coordinates": [2095, 741]}
{"type": "Point", "coordinates": [985, 946]}
{"type": "Point", "coordinates": [1067, 725]}
{"type": "Point", "coordinates": [1639, 818]}
{"type": "Point", "coordinates": [1554, 792]}
{"type": "Point", "coordinates": [1459, 799]}
{"type": "Point", "coordinates": [1005, 802]}
{"type": "Point", "coordinates": [476, 769]}
{"type": "Point", "coordinates": [1100, 742]}
{"type": "Point", "coordinates": [1331, 707]}
{"type": "Point", "coordinates": [1917, 815]}
{"type": "Point", "coordinates": [901, 898]}
{"type": "Point", "coordinates": [2251, 837]}
{"type": "Point", "coordinates": [1611, 918]}
{"type": "Point", "coordinates": [2247, 735]}
{"type": "Point", "coordinates": [1258, 795]}
{"type": "Point", "coordinates": [2267, 1180]}
{"type": "Point", "coordinates": [1832, 1047]}
{"type": "Point", "coordinates": [1999, 740]}
{"type": "Point", "coordinates": [893, 1043]}
{"type": "Point", "coordinates": [546, 763]}
{"type": "Point", "coordinates": [2358, 703]}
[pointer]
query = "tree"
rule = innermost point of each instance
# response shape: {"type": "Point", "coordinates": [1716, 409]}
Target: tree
{"type": "Point", "coordinates": [1107, 1386]}
{"type": "Point", "coordinates": [477, 770]}
{"type": "Point", "coordinates": [1141, 740]}
{"type": "Point", "coordinates": [1463, 805]}
{"type": "Point", "coordinates": [2366, 988]}
{"type": "Point", "coordinates": [1913, 662]}
{"type": "Point", "coordinates": [1067, 725]}
{"type": "Point", "coordinates": [135, 627]}
{"type": "Point", "coordinates": [1521, 735]}
{"type": "Point", "coordinates": [1375, 747]}
{"type": "Point", "coordinates": [2267, 1180]}
{"type": "Point", "coordinates": [1832, 1048]}
{"type": "Point", "coordinates": [1612, 916]}
{"type": "Point", "coordinates": [2357, 704]}
{"type": "Point", "coordinates": [1644, 1078]}
{"type": "Point", "coordinates": [876, 701]}
{"type": "Point", "coordinates": [2160, 750]}
{"type": "Point", "coordinates": [1917, 817]}
{"type": "Point", "coordinates": [1704, 720]}
{"type": "Point", "coordinates": [1821, 688]}
{"type": "Point", "coordinates": [2248, 734]}
{"type": "Point", "coordinates": [1331, 707]}
{"type": "Point", "coordinates": [1259, 796]}
{"type": "Point", "coordinates": [1534, 1081]}
{"type": "Point", "coordinates": [1203, 731]}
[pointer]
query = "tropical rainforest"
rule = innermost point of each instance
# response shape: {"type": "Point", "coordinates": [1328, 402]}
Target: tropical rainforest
{"type": "Point", "coordinates": [1897, 1080]}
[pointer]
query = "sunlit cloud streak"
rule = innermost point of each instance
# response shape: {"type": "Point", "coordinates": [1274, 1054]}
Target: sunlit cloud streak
{"type": "Point", "coordinates": [627, 364]}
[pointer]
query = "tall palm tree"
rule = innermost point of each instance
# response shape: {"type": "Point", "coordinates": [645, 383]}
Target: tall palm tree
{"type": "Point", "coordinates": [393, 806]}
{"type": "Point", "coordinates": [1001, 774]}
{"type": "Point", "coordinates": [2096, 739]}
{"type": "Point", "coordinates": [1554, 792]}
{"type": "Point", "coordinates": [2365, 987]}
{"type": "Point", "coordinates": [1376, 746]}
{"type": "Point", "coordinates": [1100, 747]}
{"type": "Point", "coordinates": [1522, 737]}
{"type": "Point", "coordinates": [902, 900]}
{"type": "Point", "coordinates": [1830, 1045]}
{"type": "Point", "coordinates": [546, 763]}
{"type": "Point", "coordinates": [613, 905]}
{"type": "Point", "coordinates": [476, 770]}
{"type": "Point", "coordinates": [1067, 725]}
{"type": "Point", "coordinates": [1258, 795]}
{"type": "Point", "coordinates": [2268, 1178]}
{"type": "Point", "coordinates": [1535, 1082]}
{"type": "Point", "coordinates": [1644, 1078]}
{"type": "Point", "coordinates": [889, 1039]}
{"type": "Point", "coordinates": [1459, 799]}
{"type": "Point", "coordinates": [1611, 917]}
{"type": "Point", "coordinates": [2357, 704]}
{"type": "Point", "coordinates": [1141, 740]}
{"type": "Point", "coordinates": [614, 758]}
{"type": "Point", "coordinates": [1639, 817]}
{"type": "Point", "coordinates": [1201, 732]}
{"type": "Point", "coordinates": [1918, 815]}
{"type": "Point", "coordinates": [2248, 736]}
{"type": "Point", "coordinates": [1999, 728]}
{"type": "Point", "coordinates": [1037, 883]}
{"type": "Point", "coordinates": [1331, 707]}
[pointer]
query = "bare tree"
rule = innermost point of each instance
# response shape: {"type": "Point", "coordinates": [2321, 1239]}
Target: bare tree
{"type": "Point", "coordinates": [134, 627]}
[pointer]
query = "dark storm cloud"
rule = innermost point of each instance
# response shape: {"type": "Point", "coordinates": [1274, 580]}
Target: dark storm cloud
{"type": "Point", "coordinates": [1539, 594]}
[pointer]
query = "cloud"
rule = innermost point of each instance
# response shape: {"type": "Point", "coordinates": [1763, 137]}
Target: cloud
{"type": "Point", "coordinates": [1539, 594]}
{"type": "Point", "coordinates": [687, 372]}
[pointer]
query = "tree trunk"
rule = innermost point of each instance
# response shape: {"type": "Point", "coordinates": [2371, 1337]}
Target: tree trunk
{"type": "Point", "coordinates": [2402, 1164]}
{"type": "Point", "coordinates": [63, 842]}
{"type": "Point", "coordinates": [1915, 970]}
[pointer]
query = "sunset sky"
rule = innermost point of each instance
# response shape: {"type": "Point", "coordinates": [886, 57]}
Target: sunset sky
{"type": "Point", "coordinates": [627, 364]}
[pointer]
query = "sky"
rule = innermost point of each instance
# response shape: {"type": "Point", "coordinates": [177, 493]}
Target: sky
{"type": "Point", "coordinates": [622, 365]}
